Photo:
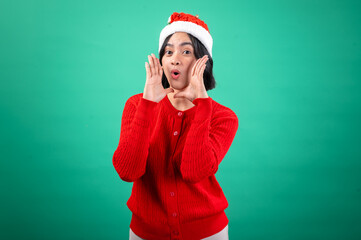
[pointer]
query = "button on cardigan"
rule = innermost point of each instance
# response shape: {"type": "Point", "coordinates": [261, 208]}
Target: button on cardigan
{"type": "Point", "coordinates": [171, 157]}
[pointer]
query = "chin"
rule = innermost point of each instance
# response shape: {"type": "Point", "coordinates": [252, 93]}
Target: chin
{"type": "Point", "coordinates": [177, 85]}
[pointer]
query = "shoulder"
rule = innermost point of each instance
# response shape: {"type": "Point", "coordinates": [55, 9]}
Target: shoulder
{"type": "Point", "coordinates": [219, 110]}
{"type": "Point", "coordinates": [134, 99]}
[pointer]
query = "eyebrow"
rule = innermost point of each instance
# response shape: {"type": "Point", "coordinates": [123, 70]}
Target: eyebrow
{"type": "Point", "coordinates": [182, 44]}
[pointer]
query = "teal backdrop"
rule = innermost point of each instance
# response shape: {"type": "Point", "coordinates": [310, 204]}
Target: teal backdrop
{"type": "Point", "coordinates": [290, 70]}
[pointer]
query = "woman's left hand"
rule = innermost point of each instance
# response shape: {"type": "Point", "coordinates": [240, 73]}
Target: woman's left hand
{"type": "Point", "coordinates": [195, 88]}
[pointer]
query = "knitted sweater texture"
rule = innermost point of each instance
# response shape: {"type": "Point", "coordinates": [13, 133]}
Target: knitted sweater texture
{"type": "Point", "coordinates": [171, 157]}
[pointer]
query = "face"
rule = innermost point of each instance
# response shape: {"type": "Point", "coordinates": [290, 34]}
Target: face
{"type": "Point", "coordinates": [178, 55]}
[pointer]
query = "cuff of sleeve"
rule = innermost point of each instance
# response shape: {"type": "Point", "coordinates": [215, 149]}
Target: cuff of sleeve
{"type": "Point", "coordinates": [145, 110]}
{"type": "Point", "coordinates": [204, 108]}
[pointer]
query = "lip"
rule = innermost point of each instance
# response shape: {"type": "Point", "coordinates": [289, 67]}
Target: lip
{"type": "Point", "coordinates": [174, 76]}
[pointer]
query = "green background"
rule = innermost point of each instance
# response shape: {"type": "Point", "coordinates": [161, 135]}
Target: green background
{"type": "Point", "coordinates": [290, 70]}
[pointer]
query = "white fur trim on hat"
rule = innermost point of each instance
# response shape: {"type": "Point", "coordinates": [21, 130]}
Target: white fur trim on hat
{"type": "Point", "coordinates": [181, 26]}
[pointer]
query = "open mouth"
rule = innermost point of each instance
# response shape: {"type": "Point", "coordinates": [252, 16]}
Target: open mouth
{"type": "Point", "coordinates": [175, 73]}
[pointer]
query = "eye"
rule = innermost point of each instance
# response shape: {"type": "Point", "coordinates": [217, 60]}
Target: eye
{"type": "Point", "coordinates": [167, 51]}
{"type": "Point", "coordinates": [187, 51]}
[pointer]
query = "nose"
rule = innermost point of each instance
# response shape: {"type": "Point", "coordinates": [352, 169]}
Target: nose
{"type": "Point", "coordinates": [175, 60]}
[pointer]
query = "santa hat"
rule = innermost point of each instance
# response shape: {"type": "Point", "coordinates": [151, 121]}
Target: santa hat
{"type": "Point", "coordinates": [183, 22]}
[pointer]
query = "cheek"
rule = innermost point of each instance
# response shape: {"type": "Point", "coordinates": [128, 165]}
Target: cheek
{"type": "Point", "coordinates": [190, 66]}
{"type": "Point", "coordinates": [164, 64]}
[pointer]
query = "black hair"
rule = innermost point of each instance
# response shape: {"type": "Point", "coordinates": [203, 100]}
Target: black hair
{"type": "Point", "coordinates": [199, 51]}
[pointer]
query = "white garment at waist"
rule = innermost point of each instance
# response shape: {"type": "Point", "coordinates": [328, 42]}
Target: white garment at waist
{"type": "Point", "coordinates": [222, 235]}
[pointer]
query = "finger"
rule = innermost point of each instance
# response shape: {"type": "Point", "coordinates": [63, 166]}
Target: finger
{"type": "Point", "coordinates": [182, 95]}
{"type": "Point", "coordinates": [197, 66]}
{"type": "Point", "coordinates": [149, 74]}
{"type": "Point", "coordinates": [205, 62]}
{"type": "Point", "coordinates": [201, 72]}
{"type": "Point", "coordinates": [151, 64]}
{"type": "Point", "coordinates": [206, 58]}
{"type": "Point", "coordinates": [156, 68]}
{"type": "Point", "coordinates": [169, 90]}
{"type": "Point", "coordinates": [154, 65]}
{"type": "Point", "coordinates": [204, 65]}
{"type": "Point", "coordinates": [160, 67]}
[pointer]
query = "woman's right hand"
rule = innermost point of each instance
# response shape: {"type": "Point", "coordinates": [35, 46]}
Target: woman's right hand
{"type": "Point", "coordinates": [154, 90]}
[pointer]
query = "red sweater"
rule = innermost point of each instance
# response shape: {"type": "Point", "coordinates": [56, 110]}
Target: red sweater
{"type": "Point", "coordinates": [172, 156]}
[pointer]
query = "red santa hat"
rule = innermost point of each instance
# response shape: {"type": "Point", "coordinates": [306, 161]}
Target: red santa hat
{"type": "Point", "coordinates": [183, 22]}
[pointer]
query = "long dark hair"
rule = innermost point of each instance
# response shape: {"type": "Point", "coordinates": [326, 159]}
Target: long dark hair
{"type": "Point", "coordinates": [199, 51]}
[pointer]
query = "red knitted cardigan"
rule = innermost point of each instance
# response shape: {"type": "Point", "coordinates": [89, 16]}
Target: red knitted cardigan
{"type": "Point", "coordinates": [172, 156]}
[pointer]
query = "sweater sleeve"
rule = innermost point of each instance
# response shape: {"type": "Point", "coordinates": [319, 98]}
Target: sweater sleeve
{"type": "Point", "coordinates": [207, 142]}
{"type": "Point", "coordinates": [130, 157]}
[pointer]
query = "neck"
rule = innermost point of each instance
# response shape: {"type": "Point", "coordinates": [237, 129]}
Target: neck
{"type": "Point", "coordinates": [181, 104]}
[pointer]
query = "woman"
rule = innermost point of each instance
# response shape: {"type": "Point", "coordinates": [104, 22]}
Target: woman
{"type": "Point", "coordinates": [173, 138]}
